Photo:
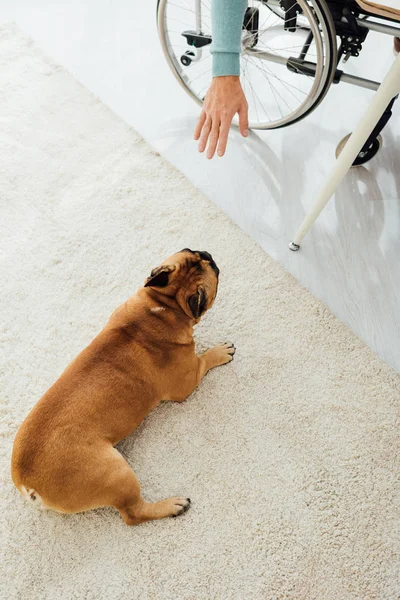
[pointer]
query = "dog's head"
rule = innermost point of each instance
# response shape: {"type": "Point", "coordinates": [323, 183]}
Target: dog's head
{"type": "Point", "coordinates": [191, 277]}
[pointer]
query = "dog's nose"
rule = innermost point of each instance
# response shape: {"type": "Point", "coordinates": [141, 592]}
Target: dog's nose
{"type": "Point", "coordinates": [202, 253]}
{"type": "Point", "coordinates": [206, 255]}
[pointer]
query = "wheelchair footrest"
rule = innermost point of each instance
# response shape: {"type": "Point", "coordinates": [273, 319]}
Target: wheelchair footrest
{"type": "Point", "coordinates": [197, 40]}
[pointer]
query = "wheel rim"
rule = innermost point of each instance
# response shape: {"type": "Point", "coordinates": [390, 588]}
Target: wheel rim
{"type": "Point", "coordinates": [364, 157]}
{"type": "Point", "coordinates": [276, 96]}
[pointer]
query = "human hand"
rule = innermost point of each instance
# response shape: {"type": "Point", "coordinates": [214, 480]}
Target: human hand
{"type": "Point", "coordinates": [224, 99]}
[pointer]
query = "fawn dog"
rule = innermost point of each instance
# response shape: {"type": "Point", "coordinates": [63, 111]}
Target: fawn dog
{"type": "Point", "coordinates": [64, 457]}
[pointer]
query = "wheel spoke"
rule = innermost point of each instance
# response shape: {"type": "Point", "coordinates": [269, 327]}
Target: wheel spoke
{"type": "Point", "coordinates": [263, 67]}
{"type": "Point", "coordinates": [283, 99]}
{"type": "Point", "coordinates": [278, 86]}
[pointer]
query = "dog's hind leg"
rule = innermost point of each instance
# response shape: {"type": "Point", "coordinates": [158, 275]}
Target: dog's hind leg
{"type": "Point", "coordinates": [125, 489]}
{"type": "Point", "coordinates": [148, 511]}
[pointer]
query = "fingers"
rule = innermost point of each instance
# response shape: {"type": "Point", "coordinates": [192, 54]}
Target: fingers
{"type": "Point", "coordinates": [212, 128]}
{"type": "Point", "coordinates": [244, 120]}
{"type": "Point", "coordinates": [223, 137]}
{"type": "Point", "coordinates": [213, 141]}
{"type": "Point", "coordinates": [199, 126]}
{"type": "Point", "coordinates": [205, 132]}
{"type": "Point", "coordinates": [213, 132]}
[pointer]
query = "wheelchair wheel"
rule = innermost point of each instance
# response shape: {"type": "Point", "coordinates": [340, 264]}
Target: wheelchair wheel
{"type": "Point", "coordinates": [288, 58]}
{"type": "Point", "coordinates": [362, 157]}
{"type": "Point", "coordinates": [275, 8]}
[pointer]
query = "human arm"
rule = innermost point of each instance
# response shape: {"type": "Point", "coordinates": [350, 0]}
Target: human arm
{"type": "Point", "coordinates": [225, 97]}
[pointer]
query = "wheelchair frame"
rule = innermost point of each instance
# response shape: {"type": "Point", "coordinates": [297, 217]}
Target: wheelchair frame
{"type": "Point", "coordinates": [352, 25]}
{"type": "Point", "coordinates": [349, 22]}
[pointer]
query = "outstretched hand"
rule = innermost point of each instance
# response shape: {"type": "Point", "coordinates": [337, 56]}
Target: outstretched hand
{"type": "Point", "coordinates": [223, 101]}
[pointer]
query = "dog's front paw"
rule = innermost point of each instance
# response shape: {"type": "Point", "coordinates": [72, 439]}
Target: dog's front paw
{"type": "Point", "coordinates": [223, 354]}
{"type": "Point", "coordinates": [178, 506]}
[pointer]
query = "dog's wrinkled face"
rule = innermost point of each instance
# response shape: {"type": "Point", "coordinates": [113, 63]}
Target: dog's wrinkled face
{"type": "Point", "coordinates": [191, 276]}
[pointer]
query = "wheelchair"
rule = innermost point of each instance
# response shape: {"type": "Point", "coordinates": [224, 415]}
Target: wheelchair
{"type": "Point", "coordinates": [292, 51]}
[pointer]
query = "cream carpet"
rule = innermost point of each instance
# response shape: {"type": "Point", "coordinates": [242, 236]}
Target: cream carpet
{"type": "Point", "coordinates": [290, 454]}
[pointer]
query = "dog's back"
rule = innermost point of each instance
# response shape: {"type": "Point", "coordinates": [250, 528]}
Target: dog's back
{"type": "Point", "coordinates": [64, 455]}
{"type": "Point", "coordinates": [52, 441]}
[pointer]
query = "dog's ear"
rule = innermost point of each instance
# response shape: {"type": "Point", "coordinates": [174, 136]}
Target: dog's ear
{"type": "Point", "coordinates": [159, 277]}
{"type": "Point", "coordinates": [198, 302]}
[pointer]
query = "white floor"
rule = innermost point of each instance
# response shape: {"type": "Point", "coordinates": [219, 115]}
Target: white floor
{"type": "Point", "coordinates": [350, 260]}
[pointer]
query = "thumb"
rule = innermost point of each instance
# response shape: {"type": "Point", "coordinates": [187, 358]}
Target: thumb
{"type": "Point", "coordinates": [244, 120]}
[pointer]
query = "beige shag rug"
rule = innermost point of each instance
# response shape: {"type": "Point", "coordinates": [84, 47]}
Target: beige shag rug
{"type": "Point", "coordinates": [290, 454]}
